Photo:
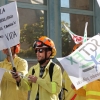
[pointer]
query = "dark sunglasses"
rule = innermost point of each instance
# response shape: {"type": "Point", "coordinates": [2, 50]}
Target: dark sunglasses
{"type": "Point", "coordinates": [39, 50]}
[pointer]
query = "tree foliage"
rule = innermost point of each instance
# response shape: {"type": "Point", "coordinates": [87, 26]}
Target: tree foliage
{"type": "Point", "coordinates": [66, 40]}
{"type": "Point", "coordinates": [30, 33]}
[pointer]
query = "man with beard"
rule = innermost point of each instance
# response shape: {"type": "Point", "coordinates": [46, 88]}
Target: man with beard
{"type": "Point", "coordinates": [38, 81]}
{"type": "Point", "coordinates": [8, 87]}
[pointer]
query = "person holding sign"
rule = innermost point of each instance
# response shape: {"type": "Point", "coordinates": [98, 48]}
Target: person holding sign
{"type": "Point", "coordinates": [92, 90]}
{"type": "Point", "coordinates": [43, 85]}
{"type": "Point", "coordinates": [9, 89]}
{"type": "Point", "coordinates": [68, 92]}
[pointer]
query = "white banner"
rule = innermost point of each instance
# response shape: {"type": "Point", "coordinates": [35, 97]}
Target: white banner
{"type": "Point", "coordinates": [78, 39]}
{"type": "Point", "coordinates": [98, 2]}
{"type": "Point", "coordinates": [85, 32]}
{"type": "Point", "coordinates": [83, 64]}
{"type": "Point", "coordinates": [9, 26]}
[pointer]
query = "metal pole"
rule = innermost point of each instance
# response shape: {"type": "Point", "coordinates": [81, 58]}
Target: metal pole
{"type": "Point", "coordinates": [11, 59]}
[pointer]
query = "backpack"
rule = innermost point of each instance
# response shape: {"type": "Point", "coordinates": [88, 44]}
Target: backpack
{"type": "Point", "coordinates": [60, 96]}
{"type": "Point", "coordinates": [50, 74]}
{"type": "Point", "coordinates": [51, 70]}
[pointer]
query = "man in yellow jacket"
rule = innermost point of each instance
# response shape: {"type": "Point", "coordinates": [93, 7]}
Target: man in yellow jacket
{"type": "Point", "coordinates": [39, 81]}
{"type": "Point", "coordinates": [9, 89]}
{"type": "Point", "coordinates": [92, 90]}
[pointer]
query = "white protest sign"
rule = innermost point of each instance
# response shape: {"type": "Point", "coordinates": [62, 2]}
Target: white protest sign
{"type": "Point", "coordinates": [2, 71]}
{"type": "Point", "coordinates": [83, 64]}
{"type": "Point", "coordinates": [98, 2]}
{"type": "Point", "coordinates": [9, 26]}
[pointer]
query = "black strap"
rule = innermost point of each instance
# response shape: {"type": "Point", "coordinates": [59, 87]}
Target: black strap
{"type": "Point", "coordinates": [33, 71]}
{"type": "Point", "coordinates": [65, 89]}
{"type": "Point", "coordinates": [51, 70]}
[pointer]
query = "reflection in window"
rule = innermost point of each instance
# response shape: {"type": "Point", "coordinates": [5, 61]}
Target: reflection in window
{"type": "Point", "coordinates": [76, 23]}
{"type": "Point", "coordinates": [31, 27]}
{"type": "Point", "coordinates": [31, 1]}
{"type": "Point", "coordinates": [78, 4]}
{"type": "Point", "coordinates": [65, 3]}
{"type": "Point", "coordinates": [65, 18]}
{"type": "Point", "coordinates": [67, 41]}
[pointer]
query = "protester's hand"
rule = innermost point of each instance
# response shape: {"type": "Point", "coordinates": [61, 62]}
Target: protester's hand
{"type": "Point", "coordinates": [16, 76]}
{"type": "Point", "coordinates": [72, 86]}
{"type": "Point", "coordinates": [32, 78]}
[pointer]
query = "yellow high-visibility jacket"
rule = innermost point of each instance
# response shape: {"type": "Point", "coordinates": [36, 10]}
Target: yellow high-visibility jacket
{"type": "Point", "coordinates": [70, 95]}
{"type": "Point", "coordinates": [9, 89]}
{"type": "Point", "coordinates": [92, 90]}
{"type": "Point", "coordinates": [47, 90]}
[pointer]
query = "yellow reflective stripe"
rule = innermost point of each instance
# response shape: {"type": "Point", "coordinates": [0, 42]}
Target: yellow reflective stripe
{"type": "Point", "coordinates": [89, 99]}
{"type": "Point", "coordinates": [93, 93]}
{"type": "Point", "coordinates": [53, 87]}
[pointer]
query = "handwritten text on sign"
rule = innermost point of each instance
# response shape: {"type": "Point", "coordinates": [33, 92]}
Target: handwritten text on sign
{"type": "Point", "coordinates": [9, 26]}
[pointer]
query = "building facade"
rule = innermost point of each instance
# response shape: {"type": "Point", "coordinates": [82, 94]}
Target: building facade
{"type": "Point", "coordinates": [46, 17]}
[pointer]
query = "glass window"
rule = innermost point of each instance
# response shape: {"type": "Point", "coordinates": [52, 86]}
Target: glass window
{"type": "Point", "coordinates": [78, 4]}
{"type": "Point", "coordinates": [31, 27]}
{"type": "Point", "coordinates": [31, 63]}
{"type": "Point", "coordinates": [76, 24]}
{"type": "Point", "coordinates": [31, 1]}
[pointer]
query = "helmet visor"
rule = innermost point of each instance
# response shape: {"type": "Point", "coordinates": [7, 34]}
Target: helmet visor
{"type": "Point", "coordinates": [39, 44]}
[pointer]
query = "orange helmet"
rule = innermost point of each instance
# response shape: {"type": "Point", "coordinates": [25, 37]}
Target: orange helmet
{"type": "Point", "coordinates": [76, 46]}
{"type": "Point", "coordinates": [17, 49]}
{"type": "Point", "coordinates": [45, 42]}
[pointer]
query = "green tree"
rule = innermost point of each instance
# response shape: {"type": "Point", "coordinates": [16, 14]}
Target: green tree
{"type": "Point", "coordinates": [66, 40]}
{"type": "Point", "coordinates": [30, 33]}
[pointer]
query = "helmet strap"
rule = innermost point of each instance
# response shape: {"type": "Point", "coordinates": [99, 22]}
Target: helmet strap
{"type": "Point", "coordinates": [45, 59]}
{"type": "Point", "coordinates": [46, 49]}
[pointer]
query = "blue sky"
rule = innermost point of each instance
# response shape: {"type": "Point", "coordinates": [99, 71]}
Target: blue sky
{"type": "Point", "coordinates": [65, 16]}
{"type": "Point", "coordinates": [65, 3]}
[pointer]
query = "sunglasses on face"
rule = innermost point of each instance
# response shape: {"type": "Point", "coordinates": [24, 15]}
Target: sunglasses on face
{"type": "Point", "coordinates": [39, 50]}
